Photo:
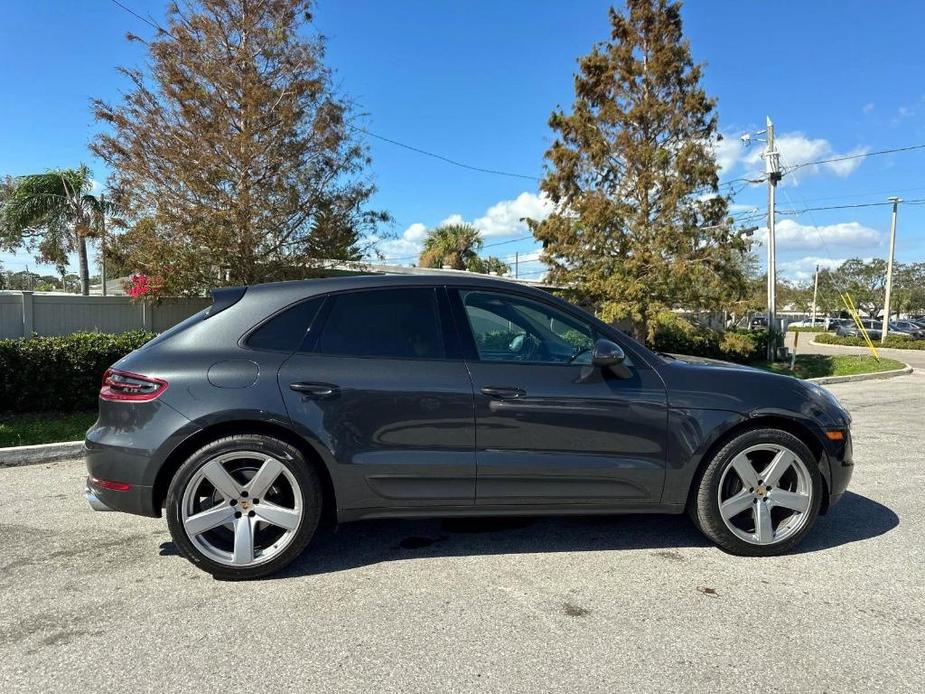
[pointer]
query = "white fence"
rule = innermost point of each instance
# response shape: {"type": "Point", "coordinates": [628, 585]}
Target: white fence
{"type": "Point", "coordinates": [23, 314]}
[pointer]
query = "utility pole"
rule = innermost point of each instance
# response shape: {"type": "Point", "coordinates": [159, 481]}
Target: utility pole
{"type": "Point", "coordinates": [772, 168]}
{"type": "Point", "coordinates": [516, 265]}
{"type": "Point", "coordinates": [815, 294]}
{"type": "Point", "coordinates": [103, 242]}
{"type": "Point", "coordinates": [889, 272]}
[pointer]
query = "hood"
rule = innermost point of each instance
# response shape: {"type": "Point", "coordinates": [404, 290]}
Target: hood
{"type": "Point", "coordinates": [707, 362]}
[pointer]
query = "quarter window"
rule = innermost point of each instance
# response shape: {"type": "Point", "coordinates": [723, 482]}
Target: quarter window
{"type": "Point", "coordinates": [398, 323]}
{"type": "Point", "coordinates": [285, 331]}
{"type": "Point", "coordinates": [511, 328]}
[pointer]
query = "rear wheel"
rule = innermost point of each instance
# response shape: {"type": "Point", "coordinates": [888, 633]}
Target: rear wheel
{"type": "Point", "coordinates": [760, 494]}
{"type": "Point", "coordinates": [243, 506]}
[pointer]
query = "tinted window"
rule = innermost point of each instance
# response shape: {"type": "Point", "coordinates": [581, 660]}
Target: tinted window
{"type": "Point", "coordinates": [285, 331]}
{"type": "Point", "coordinates": [511, 328]}
{"type": "Point", "coordinates": [384, 323]}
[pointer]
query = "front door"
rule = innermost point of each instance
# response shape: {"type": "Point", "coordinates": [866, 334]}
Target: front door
{"type": "Point", "coordinates": [377, 389]}
{"type": "Point", "coordinates": [551, 428]}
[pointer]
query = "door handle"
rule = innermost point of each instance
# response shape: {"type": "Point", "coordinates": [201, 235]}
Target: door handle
{"type": "Point", "coordinates": [315, 390]}
{"type": "Point", "coordinates": [503, 392]}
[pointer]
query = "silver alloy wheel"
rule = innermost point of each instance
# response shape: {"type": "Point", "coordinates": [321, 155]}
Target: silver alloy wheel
{"type": "Point", "coordinates": [236, 508]}
{"type": "Point", "coordinates": [765, 494]}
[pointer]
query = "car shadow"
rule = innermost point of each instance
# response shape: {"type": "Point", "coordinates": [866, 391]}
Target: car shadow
{"type": "Point", "coordinates": [852, 519]}
{"type": "Point", "coordinates": [366, 543]}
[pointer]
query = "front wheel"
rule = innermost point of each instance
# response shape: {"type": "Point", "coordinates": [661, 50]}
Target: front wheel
{"type": "Point", "coordinates": [243, 506]}
{"type": "Point", "coordinates": [760, 494]}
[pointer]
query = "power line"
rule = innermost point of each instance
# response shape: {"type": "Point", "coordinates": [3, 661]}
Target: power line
{"type": "Point", "coordinates": [848, 157]}
{"type": "Point", "coordinates": [846, 207]}
{"type": "Point", "coordinates": [503, 243]}
{"type": "Point", "coordinates": [442, 158]}
{"type": "Point", "coordinates": [862, 195]}
{"type": "Point", "coordinates": [153, 25]}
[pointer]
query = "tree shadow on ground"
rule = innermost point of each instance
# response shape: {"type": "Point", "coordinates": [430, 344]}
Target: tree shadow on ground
{"type": "Point", "coordinates": [365, 543]}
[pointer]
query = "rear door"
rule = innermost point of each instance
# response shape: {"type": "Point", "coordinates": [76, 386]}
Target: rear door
{"type": "Point", "coordinates": [551, 428]}
{"type": "Point", "coordinates": [380, 387]}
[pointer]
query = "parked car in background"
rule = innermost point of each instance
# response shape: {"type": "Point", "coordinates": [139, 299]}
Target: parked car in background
{"type": "Point", "coordinates": [807, 323]}
{"type": "Point", "coordinates": [849, 328]}
{"type": "Point", "coordinates": [758, 324]}
{"type": "Point", "coordinates": [908, 327]}
{"type": "Point", "coordinates": [432, 396]}
{"type": "Point", "coordinates": [835, 323]}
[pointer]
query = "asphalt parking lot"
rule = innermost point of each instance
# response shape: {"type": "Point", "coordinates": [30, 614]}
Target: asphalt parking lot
{"type": "Point", "coordinates": [98, 601]}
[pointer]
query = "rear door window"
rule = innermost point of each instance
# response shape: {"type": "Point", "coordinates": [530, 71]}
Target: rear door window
{"type": "Point", "coordinates": [394, 323]}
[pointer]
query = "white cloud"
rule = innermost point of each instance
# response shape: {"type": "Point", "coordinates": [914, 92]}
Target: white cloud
{"type": "Point", "coordinates": [803, 269]}
{"type": "Point", "coordinates": [406, 247]}
{"type": "Point", "coordinates": [728, 151]}
{"type": "Point", "coordinates": [792, 235]}
{"type": "Point", "coordinates": [504, 218]}
{"type": "Point", "coordinates": [869, 107]}
{"type": "Point", "coordinates": [452, 219]}
{"type": "Point", "coordinates": [501, 219]}
{"type": "Point", "coordinates": [796, 148]}
{"type": "Point", "coordinates": [415, 232]}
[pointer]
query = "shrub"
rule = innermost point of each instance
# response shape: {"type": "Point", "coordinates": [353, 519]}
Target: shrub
{"type": "Point", "coordinates": [60, 373]}
{"type": "Point", "coordinates": [676, 335]}
{"type": "Point", "coordinates": [892, 341]}
{"type": "Point", "coordinates": [496, 340]}
{"type": "Point", "coordinates": [807, 329]}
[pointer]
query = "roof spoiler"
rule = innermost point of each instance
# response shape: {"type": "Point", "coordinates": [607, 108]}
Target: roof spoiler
{"type": "Point", "coordinates": [224, 298]}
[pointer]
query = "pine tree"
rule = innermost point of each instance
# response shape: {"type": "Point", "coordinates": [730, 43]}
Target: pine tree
{"type": "Point", "coordinates": [639, 225]}
{"type": "Point", "coordinates": [234, 143]}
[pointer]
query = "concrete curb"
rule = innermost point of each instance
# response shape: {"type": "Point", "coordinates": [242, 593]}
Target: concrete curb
{"type": "Point", "coordinates": [862, 377]}
{"type": "Point", "coordinates": [42, 453]}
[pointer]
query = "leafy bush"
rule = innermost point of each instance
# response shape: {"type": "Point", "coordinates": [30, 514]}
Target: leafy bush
{"type": "Point", "coordinates": [892, 341]}
{"type": "Point", "coordinates": [60, 374]}
{"type": "Point", "coordinates": [577, 339]}
{"type": "Point", "coordinates": [676, 335]}
{"type": "Point", "coordinates": [496, 340]}
{"type": "Point", "coordinates": [807, 329]}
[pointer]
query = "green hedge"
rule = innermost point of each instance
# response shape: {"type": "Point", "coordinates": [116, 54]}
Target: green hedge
{"type": "Point", "coordinates": [892, 341]}
{"type": "Point", "coordinates": [676, 335]}
{"type": "Point", "coordinates": [807, 329]}
{"type": "Point", "coordinates": [60, 374]}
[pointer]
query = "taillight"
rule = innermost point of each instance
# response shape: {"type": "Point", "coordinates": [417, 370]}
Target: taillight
{"type": "Point", "coordinates": [124, 385]}
{"type": "Point", "coordinates": [109, 484]}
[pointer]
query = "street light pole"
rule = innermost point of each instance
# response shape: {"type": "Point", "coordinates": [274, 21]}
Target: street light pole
{"type": "Point", "coordinates": [772, 168]}
{"type": "Point", "coordinates": [889, 273]}
{"type": "Point", "coordinates": [103, 243]}
{"type": "Point", "coordinates": [815, 294]}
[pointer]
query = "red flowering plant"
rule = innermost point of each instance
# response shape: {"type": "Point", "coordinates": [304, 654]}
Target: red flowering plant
{"type": "Point", "coordinates": [144, 287]}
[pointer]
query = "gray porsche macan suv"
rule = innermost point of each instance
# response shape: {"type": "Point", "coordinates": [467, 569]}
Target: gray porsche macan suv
{"type": "Point", "coordinates": [435, 396]}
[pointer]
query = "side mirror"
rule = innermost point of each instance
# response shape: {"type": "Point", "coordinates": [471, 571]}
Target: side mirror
{"type": "Point", "coordinates": [607, 353]}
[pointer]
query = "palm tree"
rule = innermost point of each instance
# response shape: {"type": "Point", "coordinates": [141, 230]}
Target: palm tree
{"type": "Point", "coordinates": [56, 210]}
{"type": "Point", "coordinates": [454, 245]}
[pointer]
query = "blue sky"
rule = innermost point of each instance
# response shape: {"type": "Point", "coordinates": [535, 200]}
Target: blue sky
{"type": "Point", "coordinates": [476, 82]}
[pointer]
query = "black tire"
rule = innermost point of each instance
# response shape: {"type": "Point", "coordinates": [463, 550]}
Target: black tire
{"type": "Point", "coordinates": [291, 458]}
{"type": "Point", "coordinates": [704, 506]}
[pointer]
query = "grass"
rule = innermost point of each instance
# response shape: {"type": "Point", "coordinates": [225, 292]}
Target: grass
{"type": "Point", "coordinates": [819, 365]}
{"type": "Point", "coordinates": [43, 427]}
